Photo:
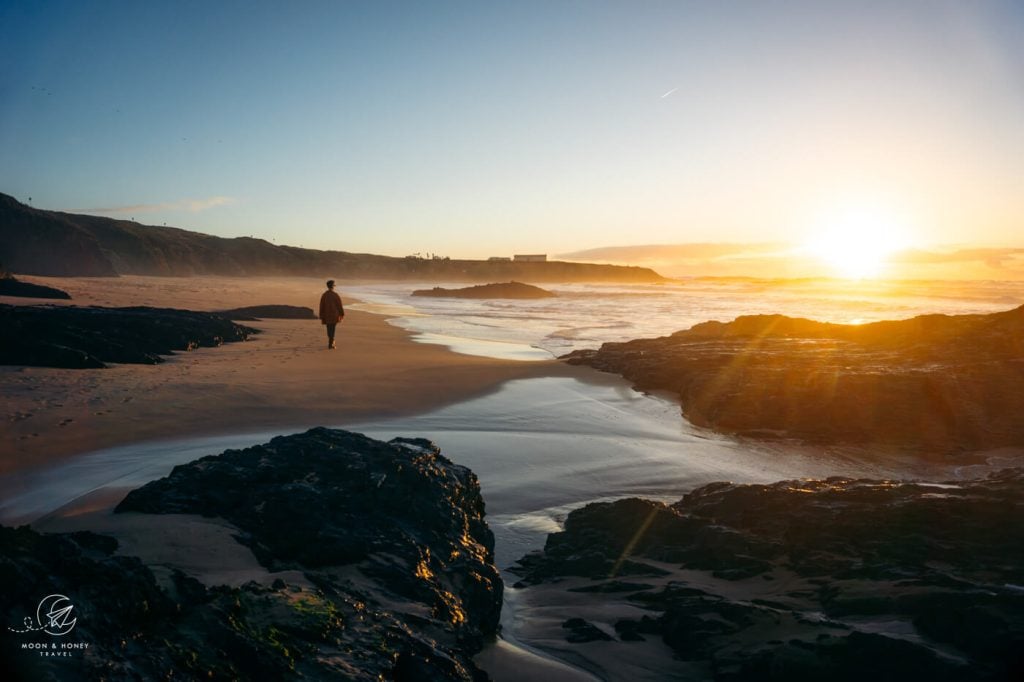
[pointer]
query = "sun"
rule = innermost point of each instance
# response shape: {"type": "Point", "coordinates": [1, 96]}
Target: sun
{"type": "Point", "coordinates": [857, 243]}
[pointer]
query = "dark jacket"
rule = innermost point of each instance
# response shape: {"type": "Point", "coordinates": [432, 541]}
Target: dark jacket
{"type": "Point", "coordinates": [331, 310]}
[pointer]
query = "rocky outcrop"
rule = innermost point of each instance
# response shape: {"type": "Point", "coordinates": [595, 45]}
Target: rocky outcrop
{"type": "Point", "coordinates": [80, 338]}
{"type": "Point", "coordinates": [937, 383]}
{"type": "Point", "coordinates": [52, 243]}
{"type": "Point", "coordinates": [497, 290]}
{"type": "Point", "coordinates": [386, 560]}
{"type": "Point", "coordinates": [269, 312]}
{"type": "Point", "coordinates": [832, 579]}
{"type": "Point", "coordinates": [10, 286]}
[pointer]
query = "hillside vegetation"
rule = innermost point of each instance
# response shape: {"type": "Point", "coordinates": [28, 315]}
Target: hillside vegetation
{"type": "Point", "coordinates": [51, 243]}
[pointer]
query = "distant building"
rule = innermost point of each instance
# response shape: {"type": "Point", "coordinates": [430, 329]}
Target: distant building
{"type": "Point", "coordinates": [530, 258]}
{"type": "Point", "coordinates": [499, 259]}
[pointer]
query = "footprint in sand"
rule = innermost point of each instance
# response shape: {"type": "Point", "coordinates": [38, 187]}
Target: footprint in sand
{"type": "Point", "coordinates": [65, 422]}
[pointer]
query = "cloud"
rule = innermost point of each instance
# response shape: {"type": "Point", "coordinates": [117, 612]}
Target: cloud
{"type": "Point", "coordinates": [190, 205]}
{"type": "Point", "coordinates": [679, 252]}
{"type": "Point", "coordinates": [992, 257]}
{"type": "Point", "coordinates": [776, 259]}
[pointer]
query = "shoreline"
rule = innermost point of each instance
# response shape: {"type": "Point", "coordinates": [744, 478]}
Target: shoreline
{"type": "Point", "coordinates": [558, 439]}
{"type": "Point", "coordinates": [540, 448]}
{"type": "Point", "coordinates": [281, 379]}
{"type": "Point", "coordinates": [58, 419]}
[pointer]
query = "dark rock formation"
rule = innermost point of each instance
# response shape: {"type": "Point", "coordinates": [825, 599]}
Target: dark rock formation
{"type": "Point", "coordinates": [498, 290]}
{"type": "Point", "coordinates": [935, 382]}
{"type": "Point", "coordinates": [389, 538]}
{"type": "Point", "coordinates": [79, 338]}
{"type": "Point", "coordinates": [810, 580]}
{"type": "Point", "coordinates": [270, 312]}
{"type": "Point", "coordinates": [582, 631]}
{"type": "Point", "coordinates": [410, 519]}
{"type": "Point", "coordinates": [10, 286]}
{"type": "Point", "coordinates": [37, 242]}
{"type": "Point", "coordinates": [116, 606]}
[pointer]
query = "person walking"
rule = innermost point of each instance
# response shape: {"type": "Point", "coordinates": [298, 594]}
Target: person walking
{"type": "Point", "coordinates": [331, 311]}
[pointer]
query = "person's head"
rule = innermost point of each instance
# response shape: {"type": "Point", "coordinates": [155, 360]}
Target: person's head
{"type": "Point", "coordinates": [330, 284]}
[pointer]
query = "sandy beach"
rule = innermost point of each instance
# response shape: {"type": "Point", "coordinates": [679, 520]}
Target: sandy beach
{"type": "Point", "coordinates": [681, 344]}
{"type": "Point", "coordinates": [543, 438]}
{"type": "Point", "coordinates": [282, 378]}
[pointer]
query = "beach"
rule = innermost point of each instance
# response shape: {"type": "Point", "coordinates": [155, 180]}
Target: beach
{"type": "Point", "coordinates": [543, 438]}
{"type": "Point", "coordinates": [140, 420]}
{"type": "Point", "coordinates": [281, 379]}
{"type": "Point", "coordinates": [380, 380]}
{"type": "Point", "coordinates": [680, 344]}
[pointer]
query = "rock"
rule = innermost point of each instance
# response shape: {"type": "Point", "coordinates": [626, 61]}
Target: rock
{"type": "Point", "coordinates": [581, 631]}
{"type": "Point", "coordinates": [629, 631]}
{"type": "Point", "coordinates": [271, 312]}
{"type": "Point", "coordinates": [935, 383]}
{"type": "Point", "coordinates": [858, 657]}
{"type": "Point", "coordinates": [396, 560]}
{"type": "Point", "coordinates": [408, 517]}
{"type": "Point", "coordinates": [502, 290]}
{"type": "Point", "coordinates": [78, 338]}
{"type": "Point", "coordinates": [115, 599]}
{"type": "Point", "coordinates": [614, 586]}
{"type": "Point", "coordinates": [9, 286]}
{"type": "Point", "coordinates": [871, 579]}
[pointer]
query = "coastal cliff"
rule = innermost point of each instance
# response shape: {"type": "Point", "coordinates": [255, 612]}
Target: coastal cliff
{"type": "Point", "coordinates": [935, 383]}
{"type": "Point", "coordinates": [52, 243]}
{"type": "Point", "coordinates": [378, 565]}
{"type": "Point", "coordinates": [836, 579]}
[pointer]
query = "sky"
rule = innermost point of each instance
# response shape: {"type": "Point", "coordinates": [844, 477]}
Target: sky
{"type": "Point", "coordinates": [474, 129]}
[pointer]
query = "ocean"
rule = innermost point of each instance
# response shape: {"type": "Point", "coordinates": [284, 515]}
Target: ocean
{"type": "Point", "coordinates": [587, 315]}
{"type": "Point", "coordinates": [542, 447]}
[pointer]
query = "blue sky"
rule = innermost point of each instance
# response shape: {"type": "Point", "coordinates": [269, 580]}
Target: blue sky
{"type": "Point", "coordinates": [479, 128]}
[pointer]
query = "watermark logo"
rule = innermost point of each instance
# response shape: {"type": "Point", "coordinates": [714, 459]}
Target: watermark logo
{"type": "Point", "coordinates": [55, 616]}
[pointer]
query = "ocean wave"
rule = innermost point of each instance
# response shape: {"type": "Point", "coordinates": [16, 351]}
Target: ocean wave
{"type": "Point", "coordinates": [587, 315]}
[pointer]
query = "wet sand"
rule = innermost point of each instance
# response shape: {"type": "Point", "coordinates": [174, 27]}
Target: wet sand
{"type": "Point", "coordinates": [283, 378]}
{"type": "Point", "coordinates": [540, 448]}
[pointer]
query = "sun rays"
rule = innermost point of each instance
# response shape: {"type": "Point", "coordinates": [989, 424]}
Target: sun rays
{"type": "Point", "coordinates": [856, 242]}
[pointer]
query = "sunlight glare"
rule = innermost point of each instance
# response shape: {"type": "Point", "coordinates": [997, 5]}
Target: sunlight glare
{"type": "Point", "coordinates": [856, 243]}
